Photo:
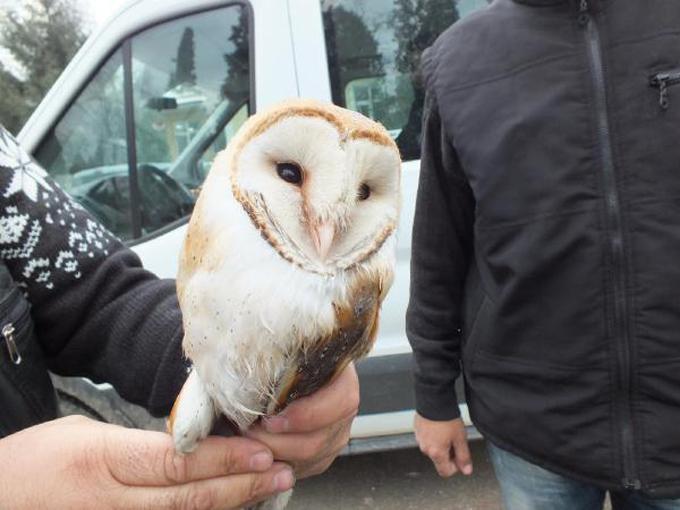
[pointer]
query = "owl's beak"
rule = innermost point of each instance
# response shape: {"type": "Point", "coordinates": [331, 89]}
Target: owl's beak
{"type": "Point", "coordinates": [323, 236]}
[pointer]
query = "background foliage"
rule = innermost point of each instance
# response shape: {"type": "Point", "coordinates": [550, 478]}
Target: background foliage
{"type": "Point", "coordinates": [41, 36]}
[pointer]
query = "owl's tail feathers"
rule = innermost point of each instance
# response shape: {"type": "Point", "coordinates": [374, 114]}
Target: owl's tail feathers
{"type": "Point", "coordinates": [192, 415]}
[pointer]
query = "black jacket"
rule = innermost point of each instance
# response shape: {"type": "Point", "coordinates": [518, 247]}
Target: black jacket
{"type": "Point", "coordinates": [90, 308]}
{"type": "Point", "coordinates": [546, 243]}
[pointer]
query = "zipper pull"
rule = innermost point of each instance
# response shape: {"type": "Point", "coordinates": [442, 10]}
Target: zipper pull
{"type": "Point", "coordinates": [663, 94]}
{"type": "Point", "coordinates": [583, 13]}
{"type": "Point", "coordinates": [8, 333]}
{"type": "Point", "coordinates": [661, 81]}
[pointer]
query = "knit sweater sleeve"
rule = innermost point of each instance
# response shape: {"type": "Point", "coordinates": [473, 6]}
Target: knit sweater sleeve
{"type": "Point", "coordinates": [97, 312]}
{"type": "Point", "coordinates": [441, 250]}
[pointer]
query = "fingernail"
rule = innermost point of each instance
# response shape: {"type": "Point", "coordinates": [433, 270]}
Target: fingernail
{"type": "Point", "coordinates": [261, 461]}
{"type": "Point", "coordinates": [467, 469]}
{"type": "Point", "coordinates": [276, 424]}
{"type": "Point", "coordinates": [284, 480]}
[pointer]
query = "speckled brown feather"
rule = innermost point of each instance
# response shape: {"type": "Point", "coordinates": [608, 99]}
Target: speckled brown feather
{"type": "Point", "coordinates": [352, 338]}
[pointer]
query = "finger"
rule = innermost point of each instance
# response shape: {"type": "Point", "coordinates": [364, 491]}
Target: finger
{"type": "Point", "coordinates": [227, 492]}
{"type": "Point", "coordinates": [441, 458]}
{"type": "Point", "coordinates": [462, 455]}
{"type": "Point", "coordinates": [149, 458]}
{"type": "Point", "coordinates": [337, 400]}
{"type": "Point", "coordinates": [445, 466]}
{"type": "Point", "coordinates": [307, 447]}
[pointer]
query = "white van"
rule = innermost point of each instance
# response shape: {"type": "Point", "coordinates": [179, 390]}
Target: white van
{"type": "Point", "coordinates": [133, 123]}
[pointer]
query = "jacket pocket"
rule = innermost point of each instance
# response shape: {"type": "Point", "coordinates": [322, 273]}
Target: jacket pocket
{"type": "Point", "coordinates": [663, 81]}
{"type": "Point", "coordinates": [26, 389]}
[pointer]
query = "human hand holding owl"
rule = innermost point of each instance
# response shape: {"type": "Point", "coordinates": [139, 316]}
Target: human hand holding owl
{"type": "Point", "coordinates": [312, 431]}
{"type": "Point", "coordinates": [288, 256]}
{"type": "Point", "coordinates": [100, 466]}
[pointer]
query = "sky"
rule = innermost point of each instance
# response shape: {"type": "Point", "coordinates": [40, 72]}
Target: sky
{"type": "Point", "coordinates": [95, 12]}
{"type": "Point", "coordinates": [98, 11]}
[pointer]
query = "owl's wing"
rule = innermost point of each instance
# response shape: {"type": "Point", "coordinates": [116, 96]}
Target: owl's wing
{"type": "Point", "coordinates": [352, 338]}
{"type": "Point", "coordinates": [205, 246]}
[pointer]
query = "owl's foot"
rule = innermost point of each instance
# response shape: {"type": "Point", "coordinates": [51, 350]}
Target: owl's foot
{"type": "Point", "coordinates": [278, 502]}
{"type": "Point", "coordinates": [192, 416]}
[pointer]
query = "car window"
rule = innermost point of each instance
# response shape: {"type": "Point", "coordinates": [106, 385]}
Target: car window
{"type": "Point", "coordinates": [374, 50]}
{"type": "Point", "coordinates": [88, 146]}
{"type": "Point", "coordinates": [190, 90]}
{"type": "Point", "coordinates": [188, 75]}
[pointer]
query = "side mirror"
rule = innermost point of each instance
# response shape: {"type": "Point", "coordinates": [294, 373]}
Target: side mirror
{"type": "Point", "coordinates": [162, 103]}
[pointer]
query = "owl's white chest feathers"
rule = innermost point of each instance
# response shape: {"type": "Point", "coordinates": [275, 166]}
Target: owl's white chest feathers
{"type": "Point", "coordinates": [248, 310]}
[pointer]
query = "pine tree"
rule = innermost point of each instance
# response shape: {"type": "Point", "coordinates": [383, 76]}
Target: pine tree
{"type": "Point", "coordinates": [185, 65]}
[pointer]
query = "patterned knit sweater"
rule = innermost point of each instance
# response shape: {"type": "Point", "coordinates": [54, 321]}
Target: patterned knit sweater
{"type": "Point", "coordinates": [97, 312]}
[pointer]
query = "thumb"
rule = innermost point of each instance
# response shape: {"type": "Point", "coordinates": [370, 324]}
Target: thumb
{"type": "Point", "coordinates": [146, 458]}
{"type": "Point", "coordinates": [228, 492]}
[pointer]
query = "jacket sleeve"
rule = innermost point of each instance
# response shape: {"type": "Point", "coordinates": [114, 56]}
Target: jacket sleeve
{"type": "Point", "coordinates": [441, 248]}
{"type": "Point", "coordinates": [97, 312]}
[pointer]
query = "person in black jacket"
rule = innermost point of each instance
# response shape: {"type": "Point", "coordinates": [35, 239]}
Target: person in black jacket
{"type": "Point", "coordinates": [95, 312]}
{"type": "Point", "coordinates": [545, 250]}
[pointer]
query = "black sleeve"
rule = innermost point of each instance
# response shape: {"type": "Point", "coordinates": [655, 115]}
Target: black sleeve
{"type": "Point", "coordinates": [441, 248]}
{"type": "Point", "coordinates": [97, 312]}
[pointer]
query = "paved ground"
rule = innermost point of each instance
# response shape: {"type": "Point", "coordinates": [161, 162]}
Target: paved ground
{"type": "Point", "coordinates": [400, 480]}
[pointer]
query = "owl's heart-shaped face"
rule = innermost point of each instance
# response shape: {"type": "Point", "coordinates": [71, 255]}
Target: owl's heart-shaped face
{"type": "Point", "coordinates": [320, 182]}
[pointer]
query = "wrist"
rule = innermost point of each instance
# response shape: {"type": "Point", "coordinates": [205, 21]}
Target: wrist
{"type": "Point", "coordinates": [436, 404]}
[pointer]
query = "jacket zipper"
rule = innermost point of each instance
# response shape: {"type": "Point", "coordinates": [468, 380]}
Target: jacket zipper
{"type": "Point", "coordinates": [9, 328]}
{"type": "Point", "coordinates": [615, 237]}
{"type": "Point", "coordinates": [8, 335]}
{"type": "Point", "coordinates": [8, 332]}
{"type": "Point", "coordinates": [662, 81]}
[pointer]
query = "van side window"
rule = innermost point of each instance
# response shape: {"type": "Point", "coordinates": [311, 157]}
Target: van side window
{"type": "Point", "coordinates": [86, 152]}
{"type": "Point", "coordinates": [374, 50]}
{"type": "Point", "coordinates": [189, 88]}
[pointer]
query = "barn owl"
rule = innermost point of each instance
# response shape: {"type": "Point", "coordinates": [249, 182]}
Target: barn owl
{"type": "Point", "coordinates": [288, 256]}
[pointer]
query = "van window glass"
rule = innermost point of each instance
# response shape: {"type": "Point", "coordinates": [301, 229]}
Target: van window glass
{"type": "Point", "coordinates": [191, 79]}
{"type": "Point", "coordinates": [191, 92]}
{"type": "Point", "coordinates": [374, 50]}
{"type": "Point", "coordinates": [86, 152]}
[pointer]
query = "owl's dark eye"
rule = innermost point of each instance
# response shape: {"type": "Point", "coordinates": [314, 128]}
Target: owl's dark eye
{"type": "Point", "coordinates": [364, 191]}
{"type": "Point", "coordinates": [289, 172]}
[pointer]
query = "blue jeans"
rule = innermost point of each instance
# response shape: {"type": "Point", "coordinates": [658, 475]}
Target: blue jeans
{"type": "Point", "coordinates": [526, 486]}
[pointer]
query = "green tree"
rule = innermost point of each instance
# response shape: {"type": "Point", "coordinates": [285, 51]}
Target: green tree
{"type": "Point", "coordinates": [236, 85]}
{"type": "Point", "coordinates": [42, 36]}
{"type": "Point", "coordinates": [417, 23]}
{"type": "Point", "coordinates": [352, 49]}
{"type": "Point", "coordinates": [11, 100]}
